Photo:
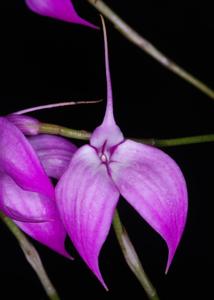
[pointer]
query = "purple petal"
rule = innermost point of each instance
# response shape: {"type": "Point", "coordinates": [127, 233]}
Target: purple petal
{"type": "Point", "coordinates": [54, 153]}
{"type": "Point", "coordinates": [87, 197]}
{"type": "Point", "coordinates": [26, 206]}
{"type": "Point", "coordinates": [27, 125]}
{"type": "Point", "coordinates": [106, 136]}
{"type": "Point", "coordinates": [19, 160]}
{"type": "Point", "coordinates": [18, 216]}
{"type": "Point", "coordinates": [154, 185]}
{"type": "Point", "coordinates": [13, 201]}
{"type": "Point", "coordinates": [58, 9]}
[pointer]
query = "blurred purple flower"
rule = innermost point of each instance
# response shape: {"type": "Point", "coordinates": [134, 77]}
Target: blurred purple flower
{"type": "Point", "coordinates": [88, 192]}
{"type": "Point", "coordinates": [26, 192]}
{"type": "Point", "coordinates": [58, 9]}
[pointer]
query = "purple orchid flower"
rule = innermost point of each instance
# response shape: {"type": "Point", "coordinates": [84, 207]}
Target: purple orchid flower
{"type": "Point", "coordinates": [88, 192]}
{"type": "Point", "coordinates": [58, 9]}
{"type": "Point", "coordinates": [26, 193]}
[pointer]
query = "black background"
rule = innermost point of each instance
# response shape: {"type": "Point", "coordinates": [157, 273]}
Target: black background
{"type": "Point", "coordinates": [44, 61]}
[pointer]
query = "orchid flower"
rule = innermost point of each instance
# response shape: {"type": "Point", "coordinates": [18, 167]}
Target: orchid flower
{"type": "Point", "coordinates": [26, 192]}
{"type": "Point", "coordinates": [88, 192]}
{"type": "Point", "coordinates": [58, 9]}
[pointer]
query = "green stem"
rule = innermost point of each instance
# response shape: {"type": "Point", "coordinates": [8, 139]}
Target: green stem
{"type": "Point", "coordinates": [85, 135]}
{"type": "Point", "coordinates": [198, 139]}
{"type": "Point", "coordinates": [149, 48]}
{"type": "Point", "coordinates": [32, 257]}
{"type": "Point", "coordinates": [132, 259]}
{"type": "Point", "coordinates": [64, 131]}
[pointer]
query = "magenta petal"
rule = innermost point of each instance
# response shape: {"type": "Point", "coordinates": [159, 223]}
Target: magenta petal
{"type": "Point", "coordinates": [19, 160]}
{"type": "Point", "coordinates": [20, 204]}
{"type": "Point", "coordinates": [18, 216]}
{"type": "Point", "coordinates": [87, 197]}
{"type": "Point", "coordinates": [27, 125]}
{"type": "Point", "coordinates": [154, 185]}
{"type": "Point", "coordinates": [54, 153]}
{"type": "Point", "coordinates": [51, 234]}
{"type": "Point", "coordinates": [40, 215]}
{"type": "Point", "coordinates": [59, 9]}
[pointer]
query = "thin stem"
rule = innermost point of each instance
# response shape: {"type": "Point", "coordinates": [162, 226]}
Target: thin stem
{"type": "Point", "coordinates": [85, 135]}
{"type": "Point", "coordinates": [132, 259]}
{"type": "Point", "coordinates": [32, 257]}
{"type": "Point", "coordinates": [149, 48]}
{"type": "Point", "coordinates": [64, 131]}
{"type": "Point", "coordinates": [54, 105]}
{"type": "Point", "coordinates": [198, 139]}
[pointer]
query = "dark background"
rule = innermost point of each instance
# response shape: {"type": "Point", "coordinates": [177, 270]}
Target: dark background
{"type": "Point", "coordinates": [44, 61]}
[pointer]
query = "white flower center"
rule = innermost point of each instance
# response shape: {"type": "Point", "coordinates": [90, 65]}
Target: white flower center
{"type": "Point", "coordinates": [103, 158]}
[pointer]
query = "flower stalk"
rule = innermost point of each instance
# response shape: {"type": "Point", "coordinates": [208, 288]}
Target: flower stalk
{"type": "Point", "coordinates": [198, 139]}
{"type": "Point", "coordinates": [85, 135]}
{"type": "Point", "coordinates": [148, 47]}
{"type": "Point", "coordinates": [64, 131]}
{"type": "Point", "coordinates": [132, 259]}
{"type": "Point", "coordinates": [32, 257]}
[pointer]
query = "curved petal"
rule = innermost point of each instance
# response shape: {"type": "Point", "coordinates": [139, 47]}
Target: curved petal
{"type": "Point", "coordinates": [19, 160]}
{"type": "Point", "coordinates": [27, 125]}
{"type": "Point", "coordinates": [19, 204]}
{"type": "Point", "coordinates": [54, 153]}
{"type": "Point", "coordinates": [40, 215]}
{"type": "Point", "coordinates": [154, 185]}
{"type": "Point", "coordinates": [86, 198]}
{"type": "Point", "coordinates": [18, 216]}
{"type": "Point", "coordinates": [59, 9]}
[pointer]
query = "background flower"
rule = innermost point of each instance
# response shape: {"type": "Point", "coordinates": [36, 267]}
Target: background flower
{"type": "Point", "coordinates": [26, 192]}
